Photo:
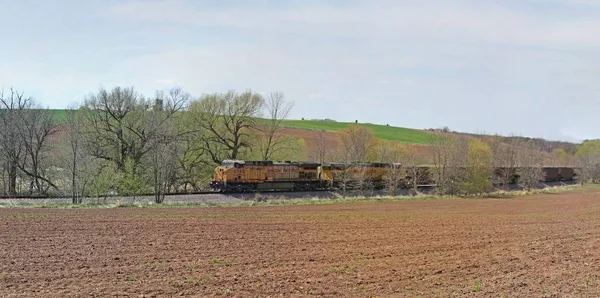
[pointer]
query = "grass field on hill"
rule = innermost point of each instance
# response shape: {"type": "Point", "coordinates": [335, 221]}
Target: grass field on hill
{"type": "Point", "coordinates": [391, 133]}
{"type": "Point", "coordinates": [60, 116]}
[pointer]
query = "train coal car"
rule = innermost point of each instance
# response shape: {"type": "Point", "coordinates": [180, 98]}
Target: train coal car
{"type": "Point", "coordinates": [552, 174]}
{"type": "Point", "coordinates": [566, 174]}
{"type": "Point", "coordinates": [354, 175]}
{"type": "Point", "coordinates": [240, 176]}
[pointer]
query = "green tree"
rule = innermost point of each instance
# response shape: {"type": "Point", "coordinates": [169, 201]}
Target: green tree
{"type": "Point", "coordinates": [589, 161]}
{"type": "Point", "coordinates": [132, 184]}
{"type": "Point", "coordinates": [480, 167]}
{"type": "Point", "coordinates": [106, 181]}
{"type": "Point", "coordinates": [227, 121]}
{"type": "Point", "coordinates": [560, 156]}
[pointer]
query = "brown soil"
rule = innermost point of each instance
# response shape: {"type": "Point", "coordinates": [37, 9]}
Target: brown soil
{"type": "Point", "coordinates": [536, 246]}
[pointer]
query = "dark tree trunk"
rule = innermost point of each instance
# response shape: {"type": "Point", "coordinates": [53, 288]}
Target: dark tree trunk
{"type": "Point", "coordinates": [12, 178]}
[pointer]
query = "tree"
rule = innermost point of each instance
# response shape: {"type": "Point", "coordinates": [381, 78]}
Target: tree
{"type": "Point", "coordinates": [345, 177]}
{"type": "Point", "coordinates": [163, 161]}
{"type": "Point", "coordinates": [117, 128]}
{"type": "Point", "coordinates": [505, 159]}
{"type": "Point", "coordinates": [132, 184]}
{"type": "Point", "coordinates": [12, 107]}
{"type": "Point", "coordinates": [37, 126]}
{"type": "Point", "coordinates": [76, 158]}
{"type": "Point", "coordinates": [391, 152]}
{"type": "Point", "coordinates": [24, 132]}
{"type": "Point", "coordinates": [227, 120]}
{"type": "Point", "coordinates": [295, 151]}
{"type": "Point", "coordinates": [343, 170]}
{"type": "Point", "coordinates": [530, 162]}
{"type": "Point", "coordinates": [192, 164]}
{"type": "Point", "coordinates": [163, 147]}
{"type": "Point", "coordinates": [480, 167]}
{"type": "Point", "coordinates": [4, 178]}
{"type": "Point", "coordinates": [361, 177]}
{"type": "Point", "coordinates": [394, 177]}
{"type": "Point", "coordinates": [449, 159]}
{"type": "Point", "coordinates": [560, 157]}
{"type": "Point", "coordinates": [106, 180]}
{"type": "Point", "coordinates": [358, 143]}
{"type": "Point", "coordinates": [589, 161]}
{"type": "Point", "coordinates": [272, 139]}
{"type": "Point", "coordinates": [415, 175]}
{"type": "Point", "coordinates": [322, 149]}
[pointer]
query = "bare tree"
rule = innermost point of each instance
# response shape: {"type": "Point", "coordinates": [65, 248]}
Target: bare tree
{"type": "Point", "coordinates": [359, 143]}
{"type": "Point", "coordinates": [396, 174]}
{"type": "Point", "coordinates": [163, 147]}
{"type": "Point", "coordinates": [37, 126]}
{"type": "Point", "coordinates": [391, 152]}
{"type": "Point", "coordinates": [450, 159]}
{"type": "Point", "coordinates": [344, 177]}
{"type": "Point", "coordinates": [361, 175]}
{"type": "Point", "coordinates": [322, 149]}
{"type": "Point", "coordinates": [272, 140]}
{"type": "Point", "coordinates": [162, 159]}
{"type": "Point", "coordinates": [117, 128]}
{"type": "Point", "coordinates": [415, 175]}
{"type": "Point", "coordinates": [3, 177]}
{"type": "Point", "coordinates": [530, 164]}
{"type": "Point", "coordinates": [12, 107]}
{"type": "Point", "coordinates": [344, 180]}
{"type": "Point", "coordinates": [76, 159]}
{"type": "Point", "coordinates": [505, 159]}
{"type": "Point", "coordinates": [227, 120]}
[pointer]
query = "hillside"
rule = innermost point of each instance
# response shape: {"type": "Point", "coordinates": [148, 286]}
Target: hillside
{"type": "Point", "coordinates": [384, 132]}
{"type": "Point", "coordinates": [419, 139]}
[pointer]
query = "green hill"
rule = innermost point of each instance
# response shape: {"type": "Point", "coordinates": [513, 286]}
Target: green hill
{"type": "Point", "coordinates": [401, 134]}
{"type": "Point", "coordinates": [391, 133]}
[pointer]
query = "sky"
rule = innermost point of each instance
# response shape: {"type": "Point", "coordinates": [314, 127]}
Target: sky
{"type": "Point", "coordinates": [526, 67]}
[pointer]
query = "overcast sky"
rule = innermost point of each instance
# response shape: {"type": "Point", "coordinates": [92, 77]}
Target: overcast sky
{"type": "Point", "coordinates": [517, 66]}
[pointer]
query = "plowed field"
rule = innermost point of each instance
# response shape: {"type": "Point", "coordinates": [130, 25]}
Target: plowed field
{"type": "Point", "coordinates": [536, 246]}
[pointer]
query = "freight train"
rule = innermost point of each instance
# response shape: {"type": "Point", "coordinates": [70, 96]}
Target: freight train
{"type": "Point", "coordinates": [250, 176]}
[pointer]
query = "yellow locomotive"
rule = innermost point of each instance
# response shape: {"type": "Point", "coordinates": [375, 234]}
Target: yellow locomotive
{"type": "Point", "coordinates": [240, 176]}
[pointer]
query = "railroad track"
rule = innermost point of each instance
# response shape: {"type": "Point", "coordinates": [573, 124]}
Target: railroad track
{"type": "Point", "coordinates": [200, 193]}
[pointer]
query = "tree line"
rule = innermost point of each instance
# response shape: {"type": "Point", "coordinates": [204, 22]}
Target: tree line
{"type": "Point", "coordinates": [459, 164]}
{"type": "Point", "coordinates": [122, 142]}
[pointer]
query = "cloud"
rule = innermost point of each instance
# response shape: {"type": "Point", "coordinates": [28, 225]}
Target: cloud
{"type": "Point", "coordinates": [471, 21]}
{"type": "Point", "coordinates": [471, 65]}
{"type": "Point", "coordinates": [164, 82]}
{"type": "Point", "coordinates": [316, 96]}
